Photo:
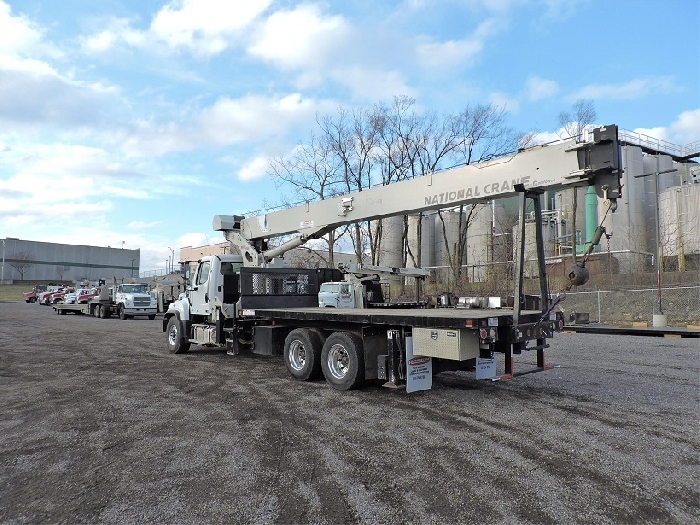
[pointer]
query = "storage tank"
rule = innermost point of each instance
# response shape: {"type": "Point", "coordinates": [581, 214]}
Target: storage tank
{"type": "Point", "coordinates": [549, 233]}
{"type": "Point", "coordinates": [447, 226]}
{"type": "Point", "coordinates": [679, 220]}
{"type": "Point", "coordinates": [427, 251]}
{"type": "Point", "coordinates": [659, 164]}
{"type": "Point", "coordinates": [564, 201]}
{"type": "Point", "coordinates": [391, 246]}
{"type": "Point", "coordinates": [631, 242]}
{"type": "Point", "coordinates": [486, 220]}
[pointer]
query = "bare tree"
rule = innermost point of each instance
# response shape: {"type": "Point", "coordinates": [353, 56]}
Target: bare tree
{"type": "Point", "coordinates": [481, 134]}
{"type": "Point", "coordinates": [21, 261]}
{"type": "Point", "coordinates": [572, 124]}
{"type": "Point", "coordinates": [353, 137]}
{"type": "Point", "coordinates": [61, 270]}
{"type": "Point", "coordinates": [414, 144]}
{"type": "Point", "coordinates": [313, 172]}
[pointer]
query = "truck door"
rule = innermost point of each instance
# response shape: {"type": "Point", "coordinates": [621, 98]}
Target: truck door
{"type": "Point", "coordinates": [345, 297]}
{"type": "Point", "coordinates": [199, 294]}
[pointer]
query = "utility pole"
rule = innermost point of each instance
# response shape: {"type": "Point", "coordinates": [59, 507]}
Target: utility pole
{"type": "Point", "coordinates": [2, 276]}
{"type": "Point", "coordinates": [172, 259]}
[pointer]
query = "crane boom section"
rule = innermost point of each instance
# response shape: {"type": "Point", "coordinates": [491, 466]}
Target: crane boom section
{"type": "Point", "coordinates": [548, 167]}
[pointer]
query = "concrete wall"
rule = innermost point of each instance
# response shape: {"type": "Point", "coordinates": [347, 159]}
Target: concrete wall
{"type": "Point", "coordinates": [46, 261]}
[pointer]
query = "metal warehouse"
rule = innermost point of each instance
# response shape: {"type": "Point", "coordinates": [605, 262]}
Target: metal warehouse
{"type": "Point", "coordinates": [47, 261]}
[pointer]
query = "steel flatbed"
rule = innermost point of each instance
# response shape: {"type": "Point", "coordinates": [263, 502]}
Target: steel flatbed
{"type": "Point", "coordinates": [421, 317]}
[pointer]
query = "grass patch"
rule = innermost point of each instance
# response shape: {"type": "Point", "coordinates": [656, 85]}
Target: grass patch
{"type": "Point", "coordinates": [14, 291]}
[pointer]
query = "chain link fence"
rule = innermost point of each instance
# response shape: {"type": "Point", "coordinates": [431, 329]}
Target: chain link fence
{"type": "Point", "coordinates": [681, 305]}
{"type": "Point", "coordinates": [609, 298]}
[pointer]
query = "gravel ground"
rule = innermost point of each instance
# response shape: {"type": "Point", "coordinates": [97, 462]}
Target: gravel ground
{"type": "Point", "coordinates": [99, 424]}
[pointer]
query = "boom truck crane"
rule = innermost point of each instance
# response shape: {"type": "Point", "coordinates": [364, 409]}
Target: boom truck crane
{"type": "Point", "coordinates": [247, 303]}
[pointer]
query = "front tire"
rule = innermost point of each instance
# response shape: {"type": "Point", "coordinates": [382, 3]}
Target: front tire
{"type": "Point", "coordinates": [176, 342]}
{"type": "Point", "coordinates": [122, 313]}
{"type": "Point", "coordinates": [343, 361]}
{"type": "Point", "coordinates": [302, 354]}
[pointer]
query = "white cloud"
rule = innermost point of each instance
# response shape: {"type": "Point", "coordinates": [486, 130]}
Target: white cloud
{"type": "Point", "coordinates": [686, 128]}
{"type": "Point", "coordinates": [45, 181]}
{"type": "Point", "coordinates": [545, 137]}
{"type": "Point", "coordinates": [118, 31]}
{"type": "Point", "coordinates": [455, 53]}
{"type": "Point", "coordinates": [254, 169]}
{"type": "Point", "coordinates": [195, 239]}
{"type": "Point", "coordinates": [18, 34]}
{"type": "Point", "coordinates": [228, 121]}
{"type": "Point", "coordinates": [633, 89]}
{"type": "Point", "coordinates": [540, 88]}
{"type": "Point", "coordinates": [204, 27]}
{"type": "Point", "coordinates": [300, 38]}
{"type": "Point", "coordinates": [683, 131]}
{"type": "Point", "coordinates": [35, 94]}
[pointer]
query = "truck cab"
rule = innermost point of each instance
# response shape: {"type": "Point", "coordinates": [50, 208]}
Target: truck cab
{"type": "Point", "coordinates": [336, 295]}
{"type": "Point", "coordinates": [356, 293]}
{"type": "Point", "coordinates": [133, 299]}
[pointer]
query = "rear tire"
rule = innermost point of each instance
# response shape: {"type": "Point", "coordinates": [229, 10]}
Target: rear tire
{"type": "Point", "coordinates": [302, 354]}
{"type": "Point", "coordinates": [343, 361]}
{"type": "Point", "coordinates": [176, 341]}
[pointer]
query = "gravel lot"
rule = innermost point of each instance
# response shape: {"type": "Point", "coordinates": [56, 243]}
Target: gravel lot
{"type": "Point", "coordinates": [99, 424]}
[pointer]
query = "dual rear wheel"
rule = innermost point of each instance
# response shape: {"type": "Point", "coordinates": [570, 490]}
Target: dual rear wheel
{"type": "Point", "coordinates": [340, 357]}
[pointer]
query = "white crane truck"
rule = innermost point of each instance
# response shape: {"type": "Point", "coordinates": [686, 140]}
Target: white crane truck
{"type": "Point", "coordinates": [248, 304]}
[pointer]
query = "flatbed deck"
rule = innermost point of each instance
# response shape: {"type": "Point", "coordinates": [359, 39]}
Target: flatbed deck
{"type": "Point", "coordinates": [419, 317]}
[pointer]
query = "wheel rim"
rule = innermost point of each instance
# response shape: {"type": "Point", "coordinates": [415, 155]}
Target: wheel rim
{"type": "Point", "coordinates": [297, 355]}
{"type": "Point", "coordinates": [338, 361]}
{"type": "Point", "coordinates": [172, 335]}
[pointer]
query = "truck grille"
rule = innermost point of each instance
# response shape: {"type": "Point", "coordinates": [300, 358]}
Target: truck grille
{"type": "Point", "coordinates": [140, 302]}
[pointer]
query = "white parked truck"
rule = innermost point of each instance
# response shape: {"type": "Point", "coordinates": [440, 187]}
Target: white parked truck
{"type": "Point", "coordinates": [247, 303]}
{"type": "Point", "coordinates": [126, 300]}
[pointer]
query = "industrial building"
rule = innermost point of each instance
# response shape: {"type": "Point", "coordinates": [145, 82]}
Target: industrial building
{"type": "Point", "coordinates": [47, 261]}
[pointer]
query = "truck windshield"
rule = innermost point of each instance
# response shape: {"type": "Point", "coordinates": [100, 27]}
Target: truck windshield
{"type": "Point", "coordinates": [135, 288]}
{"type": "Point", "coordinates": [330, 287]}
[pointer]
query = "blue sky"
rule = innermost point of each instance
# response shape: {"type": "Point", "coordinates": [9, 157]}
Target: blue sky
{"type": "Point", "coordinates": [137, 121]}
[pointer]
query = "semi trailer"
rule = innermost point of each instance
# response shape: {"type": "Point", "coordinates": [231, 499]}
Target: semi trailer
{"type": "Point", "coordinates": [247, 302]}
